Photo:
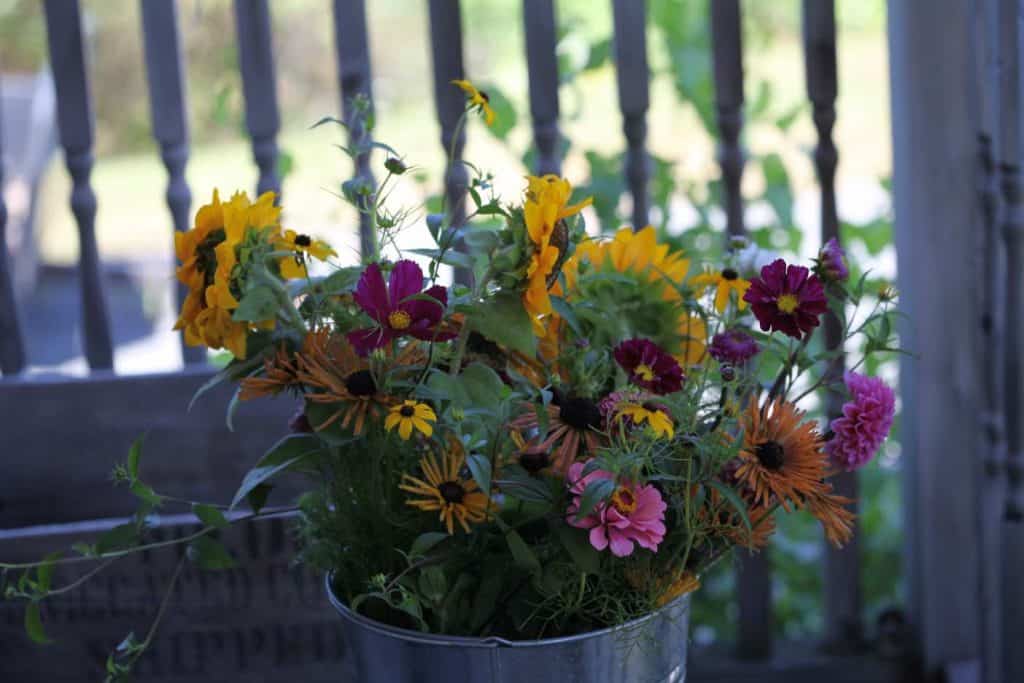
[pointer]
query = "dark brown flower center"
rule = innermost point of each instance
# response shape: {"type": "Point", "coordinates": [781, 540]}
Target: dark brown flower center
{"type": "Point", "coordinates": [303, 240]}
{"type": "Point", "coordinates": [451, 491]}
{"type": "Point", "coordinates": [651, 406]}
{"type": "Point", "coordinates": [484, 95]}
{"type": "Point", "coordinates": [580, 413]}
{"type": "Point", "coordinates": [360, 383]}
{"type": "Point", "coordinates": [729, 274]}
{"type": "Point", "coordinates": [407, 411]}
{"type": "Point", "coordinates": [534, 460]}
{"type": "Point", "coordinates": [771, 455]}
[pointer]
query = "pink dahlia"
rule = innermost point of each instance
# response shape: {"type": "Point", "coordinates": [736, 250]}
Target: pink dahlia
{"type": "Point", "coordinates": [648, 366]}
{"type": "Point", "coordinates": [787, 298]}
{"type": "Point", "coordinates": [865, 422]}
{"type": "Point", "coordinates": [635, 514]}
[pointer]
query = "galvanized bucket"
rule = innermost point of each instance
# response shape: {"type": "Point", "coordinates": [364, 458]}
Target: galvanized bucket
{"type": "Point", "coordinates": [651, 649]}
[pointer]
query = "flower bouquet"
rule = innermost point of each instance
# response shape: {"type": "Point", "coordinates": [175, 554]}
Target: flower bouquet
{"type": "Point", "coordinates": [559, 449]}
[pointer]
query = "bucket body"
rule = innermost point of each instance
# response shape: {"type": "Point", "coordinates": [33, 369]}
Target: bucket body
{"type": "Point", "coordinates": [651, 649]}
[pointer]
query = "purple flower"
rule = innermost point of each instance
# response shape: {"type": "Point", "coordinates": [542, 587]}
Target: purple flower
{"type": "Point", "coordinates": [865, 423]}
{"type": "Point", "coordinates": [787, 298]}
{"type": "Point", "coordinates": [648, 366]}
{"type": "Point", "coordinates": [832, 262]}
{"type": "Point", "coordinates": [734, 346]}
{"type": "Point", "coordinates": [394, 310]}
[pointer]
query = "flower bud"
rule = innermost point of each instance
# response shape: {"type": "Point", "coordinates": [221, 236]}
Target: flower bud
{"type": "Point", "coordinates": [395, 165]}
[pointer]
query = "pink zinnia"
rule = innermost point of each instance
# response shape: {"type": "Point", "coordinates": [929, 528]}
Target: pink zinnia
{"type": "Point", "coordinates": [865, 423]}
{"type": "Point", "coordinates": [635, 514]}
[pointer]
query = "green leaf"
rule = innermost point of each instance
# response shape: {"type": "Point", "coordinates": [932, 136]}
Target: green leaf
{"type": "Point", "coordinates": [44, 574]}
{"type": "Point", "coordinates": [577, 543]}
{"type": "Point", "coordinates": [257, 498]}
{"type": "Point", "coordinates": [424, 542]}
{"type": "Point", "coordinates": [210, 554]}
{"type": "Point", "coordinates": [480, 467]}
{"type": "Point", "coordinates": [285, 163]}
{"type": "Point", "coordinates": [145, 493]}
{"type": "Point", "coordinates": [257, 304]}
{"type": "Point", "coordinates": [134, 454]}
{"type": "Point", "coordinates": [522, 554]}
{"type": "Point", "coordinates": [733, 498]}
{"type": "Point", "coordinates": [432, 584]}
{"type": "Point", "coordinates": [565, 311]}
{"type": "Point", "coordinates": [482, 385]}
{"type": "Point", "coordinates": [286, 454]}
{"type": "Point", "coordinates": [209, 515]}
{"type": "Point", "coordinates": [596, 492]}
{"type": "Point", "coordinates": [343, 280]}
{"type": "Point", "coordinates": [503, 319]}
{"type": "Point", "coordinates": [517, 483]}
{"type": "Point", "coordinates": [120, 537]}
{"type": "Point", "coordinates": [34, 624]}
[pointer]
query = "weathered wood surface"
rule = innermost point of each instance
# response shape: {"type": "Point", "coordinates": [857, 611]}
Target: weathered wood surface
{"type": "Point", "coordinates": [794, 662]}
{"type": "Point", "coordinates": [633, 78]}
{"type": "Point", "coordinates": [12, 346]}
{"type": "Point", "coordinates": [75, 121]}
{"type": "Point", "coordinates": [934, 146]}
{"type": "Point", "coordinates": [727, 59]}
{"type": "Point", "coordinates": [259, 86]}
{"type": "Point", "coordinates": [264, 621]}
{"type": "Point", "coordinates": [62, 437]}
{"type": "Point", "coordinates": [542, 64]}
{"type": "Point", "coordinates": [165, 76]}
{"type": "Point", "coordinates": [842, 595]}
{"type": "Point", "coordinates": [352, 47]}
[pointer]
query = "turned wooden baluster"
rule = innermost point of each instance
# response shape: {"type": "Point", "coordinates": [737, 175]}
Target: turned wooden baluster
{"type": "Point", "coordinates": [256, 60]}
{"type": "Point", "coordinates": [353, 54]}
{"type": "Point", "coordinates": [75, 122]}
{"type": "Point", "coordinates": [12, 346]}
{"type": "Point", "coordinates": [633, 77]}
{"type": "Point", "coordinates": [727, 57]}
{"type": "Point", "coordinates": [542, 66]}
{"type": "Point", "coordinates": [450, 102]}
{"type": "Point", "coordinates": [165, 74]}
{"type": "Point", "coordinates": [843, 629]}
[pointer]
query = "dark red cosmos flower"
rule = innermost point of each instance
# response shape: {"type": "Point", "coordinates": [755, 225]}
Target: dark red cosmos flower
{"type": "Point", "coordinates": [787, 298]}
{"type": "Point", "coordinates": [649, 366]}
{"type": "Point", "coordinates": [393, 309]}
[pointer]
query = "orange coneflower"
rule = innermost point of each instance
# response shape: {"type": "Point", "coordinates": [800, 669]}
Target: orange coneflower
{"type": "Point", "coordinates": [280, 372]}
{"type": "Point", "coordinates": [573, 422]}
{"type": "Point", "coordinates": [781, 459]}
{"type": "Point", "coordinates": [445, 490]}
{"type": "Point", "coordinates": [829, 509]}
{"type": "Point", "coordinates": [330, 366]}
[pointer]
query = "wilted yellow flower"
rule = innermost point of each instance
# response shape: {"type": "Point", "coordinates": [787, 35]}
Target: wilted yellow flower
{"type": "Point", "coordinates": [477, 99]}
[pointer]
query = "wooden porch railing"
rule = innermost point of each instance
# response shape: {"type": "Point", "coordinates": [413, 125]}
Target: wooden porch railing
{"type": "Point", "coordinates": [63, 435]}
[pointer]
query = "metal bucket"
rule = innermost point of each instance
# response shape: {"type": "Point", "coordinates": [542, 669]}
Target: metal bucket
{"type": "Point", "coordinates": [651, 649]}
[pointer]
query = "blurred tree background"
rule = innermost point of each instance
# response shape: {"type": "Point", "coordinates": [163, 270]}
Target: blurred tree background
{"type": "Point", "coordinates": [778, 181]}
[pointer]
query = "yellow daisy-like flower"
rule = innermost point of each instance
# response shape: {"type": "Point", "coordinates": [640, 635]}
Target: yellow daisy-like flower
{"type": "Point", "coordinates": [639, 254]}
{"type": "Point", "coordinates": [294, 267]}
{"type": "Point", "coordinates": [478, 99]}
{"type": "Point", "coordinates": [444, 489]}
{"type": "Point", "coordinates": [536, 299]}
{"type": "Point", "coordinates": [409, 415]}
{"type": "Point", "coordinates": [547, 202]}
{"type": "Point", "coordinates": [208, 267]}
{"type": "Point", "coordinates": [649, 413]}
{"type": "Point", "coordinates": [724, 282]}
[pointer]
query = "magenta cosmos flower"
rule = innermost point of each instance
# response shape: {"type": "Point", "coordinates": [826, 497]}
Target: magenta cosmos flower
{"type": "Point", "coordinates": [648, 366]}
{"type": "Point", "coordinates": [734, 347]}
{"type": "Point", "coordinates": [865, 422]}
{"type": "Point", "coordinates": [635, 514]}
{"type": "Point", "coordinates": [787, 298]}
{"type": "Point", "coordinates": [395, 312]}
{"type": "Point", "coordinates": [832, 262]}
